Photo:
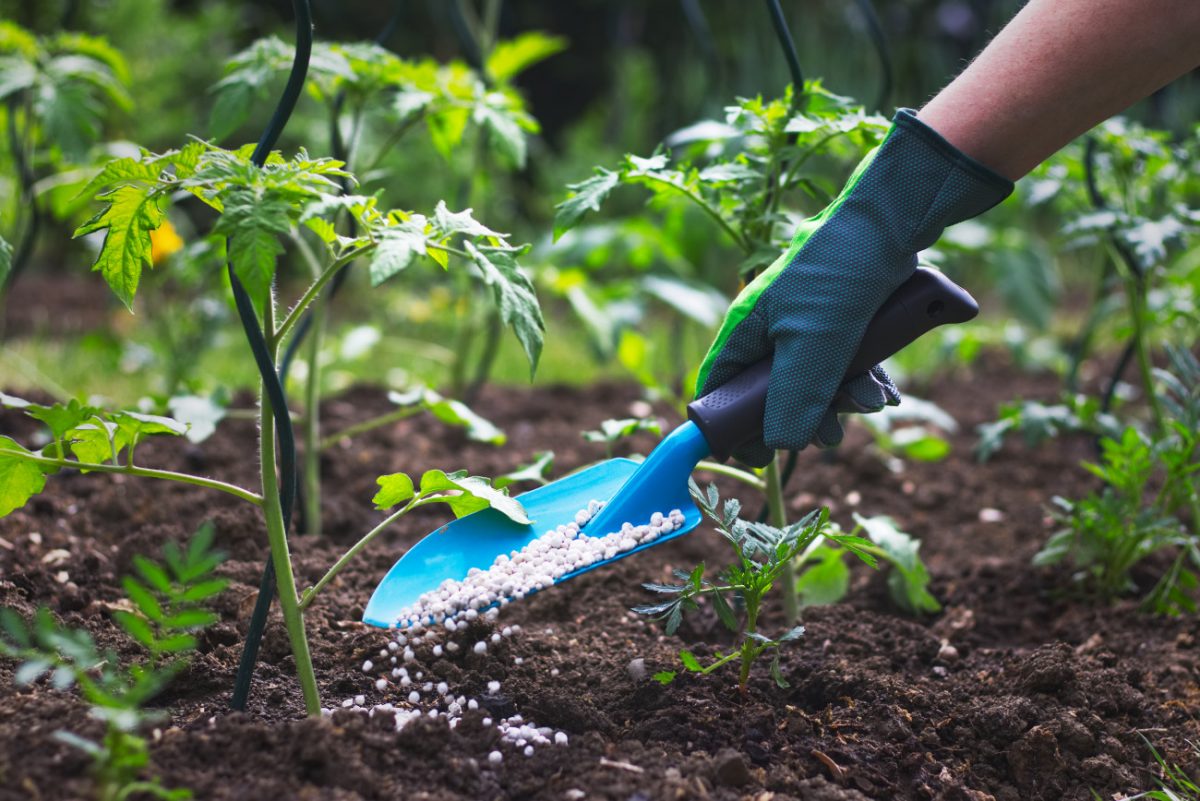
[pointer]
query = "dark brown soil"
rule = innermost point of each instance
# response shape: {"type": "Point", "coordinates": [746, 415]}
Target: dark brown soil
{"type": "Point", "coordinates": [1012, 692]}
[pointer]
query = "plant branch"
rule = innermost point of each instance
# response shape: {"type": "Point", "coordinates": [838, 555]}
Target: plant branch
{"type": "Point", "coordinates": [733, 233]}
{"type": "Point", "coordinates": [367, 425]}
{"type": "Point", "coordinates": [733, 472]}
{"type": "Point", "coordinates": [310, 294]}
{"type": "Point", "coordinates": [141, 472]}
{"type": "Point", "coordinates": [312, 591]}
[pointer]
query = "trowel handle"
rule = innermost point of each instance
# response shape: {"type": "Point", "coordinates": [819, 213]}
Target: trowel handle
{"type": "Point", "coordinates": [732, 414]}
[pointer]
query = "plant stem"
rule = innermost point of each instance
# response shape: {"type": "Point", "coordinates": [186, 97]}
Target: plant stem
{"type": "Point", "coordinates": [312, 591]}
{"type": "Point", "coordinates": [777, 516]}
{"type": "Point", "coordinates": [368, 425]}
{"type": "Point", "coordinates": [737, 238]}
{"type": "Point", "coordinates": [314, 289]}
{"type": "Point", "coordinates": [312, 422]}
{"type": "Point", "coordinates": [293, 616]}
{"type": "Point", "coordinates": [1136, 292]}
{"type": "Point", "coordinates": [732, 472]}
{"type": "Point", "coordinates": [141, 472]}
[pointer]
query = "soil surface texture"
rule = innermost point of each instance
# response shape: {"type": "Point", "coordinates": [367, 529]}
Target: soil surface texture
{"type": "Point", "coordinates": [1015, 691]}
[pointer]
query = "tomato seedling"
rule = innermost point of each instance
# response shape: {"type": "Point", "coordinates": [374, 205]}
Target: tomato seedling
{"type": "Point", "coordinates": [762, 552]}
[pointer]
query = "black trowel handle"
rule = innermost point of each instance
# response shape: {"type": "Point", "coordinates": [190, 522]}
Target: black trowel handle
{"type": "Point", "coordinates": [732, 414]}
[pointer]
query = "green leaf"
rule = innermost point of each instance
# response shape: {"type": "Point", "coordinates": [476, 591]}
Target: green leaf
{"type": "Point", "coordinates": [60, 418]}
{"type": "Point", "coordinates": [466, 494]}
{"type": "Point", "coordinates": [99, 442]}
{"type": "Point", "coordinates": [690, 661]}
{"type": "Point", "coordinates": [153, 573]}
{"type": "Point", "coordinates": [399, 245]}
{"type": "Point", "coordinates": [725, 612]}
{"type": "Point", "coordinates": [394, 490]}
{"type": "Point", "coordinates": [920, 443]}
{"type": "Point", "coordinates": [505, 127]}
{"type": "Point", "coordinates": [908, 583]}
{"type": "Point", "coordinates": [137, 425]}
{"type": "Point", "coordinates": [13, 625]}
{"type": "Point", "coordinates": [514, 295]}
{"type": "Point", "coordinates": [137, 628]}
{"type": "Point", "coordinates": [462, 222]}
{"type": "Point", "coordinates": [254, 224]}
{"type": "Point", "coordinates": [536, 471]}
{"type": "Point", "coordinates": [131, 214]}
{"type": "Point", "coordinates": [613, 430]}
{"type": "Point", "coordinates": [664, 677]}
{"type": "Point", "coordinates": [512, 57]}
{"type": "Point", "coordinates": [826, 581]}
{"type": "Point", "coordinates": [452, 413]}
{"type": "Point", "coordinates": [585, 196]}
{"type": "Point", "coordinates": [142, 598]}
{"type": "Point", "coordinates": [203, 590]}
{"type": "Point", "coordinates": [190, 619]}
{"type": "Point", "coordinates": [777, 673]}
{"type": "Point", "coordinates": [20, 479]}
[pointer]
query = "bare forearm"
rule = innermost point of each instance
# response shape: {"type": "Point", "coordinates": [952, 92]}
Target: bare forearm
{"type": "Point", "coordinates": [1059, 68]}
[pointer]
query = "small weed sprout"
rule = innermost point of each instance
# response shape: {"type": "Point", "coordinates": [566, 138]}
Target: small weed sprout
{"type": "Point", "coordinates": [762, 554]}
{"type": "Point", "coordinates": [1152, 488]}
{"type": "Point", "coordinates": [168, 609]}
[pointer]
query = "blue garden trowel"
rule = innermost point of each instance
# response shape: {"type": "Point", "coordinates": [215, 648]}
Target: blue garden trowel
{"type": "Point", "coordinates": [717, 424]}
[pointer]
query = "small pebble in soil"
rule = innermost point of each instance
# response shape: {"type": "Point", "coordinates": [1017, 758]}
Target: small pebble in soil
{"type": "Point", "coordinates": [481, 647]}
{"type": "Point", "coordinates": [381, 684]}
{"type": "Point", "coordinates": [414, 697]}
{"type": "Point", "coordinates": [560, 738]}
{"type": "Point", "coordinates": [359, 700]}
{"type": "Point", "coordinates": [493, 687]}
{"type": "Point", "coordinates": [472, 704]}
{"type": "Point", "coordinates": [495, 757]}
{"type": "Point", "coordinates": [495, 638]}
{"type": "Point", "coordinates": [452, 647]}
{"type": "Point", "coordinates": [529, 750]}
{"type": "Point", "coordinates": [368, 666]}
{"type": "Point", "coordinates": [636, 668]}
{"type": "Point", "coordinates": [443, 688]}
{"type": "Point", "coordinates": [437, 650]}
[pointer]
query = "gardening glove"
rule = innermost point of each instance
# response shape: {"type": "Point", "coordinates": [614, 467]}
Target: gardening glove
{"type": "Point", "coordinates": [810, 308]}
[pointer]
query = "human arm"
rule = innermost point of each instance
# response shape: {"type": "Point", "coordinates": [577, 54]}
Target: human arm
{"type": "Point", "coordinates": [1059, 68]}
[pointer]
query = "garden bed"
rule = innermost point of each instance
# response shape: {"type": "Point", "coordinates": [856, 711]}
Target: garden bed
{"type": "Point", "coordinates": [1012, 692]}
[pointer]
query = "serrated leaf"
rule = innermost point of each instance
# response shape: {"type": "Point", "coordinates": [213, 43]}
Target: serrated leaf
{"type": "Point", "coordinates": [131, 214]}
{"type": "Point", "coordinates": [504, 127]}
{"type": "Point", "coordinates": [664, 677]}
{"type": "Point", "coordinates": [461, 222]}
{"type": "Point", "coordinates": [690, 661]}
{"type": "Point", "coordinates": [398, 246]}
{"type": "Point", "coordinates": [394, 490]}
{"type": "Point", "coordinates": [254, 224]}
{"type": "Point", "coordinates": [909, 582]}
{"type": "Point", "coordinates": [514, 296]}
{"type": "Point", "coordinates": [20, 479]}
{"type": "Point", "coordinates": [586, 196]}
{"type": "Point", "coordinates": [466, 494]}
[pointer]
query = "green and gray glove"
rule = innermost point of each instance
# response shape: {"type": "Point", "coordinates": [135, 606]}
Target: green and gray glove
{"type": "Point", "coordinates": [810, 308]}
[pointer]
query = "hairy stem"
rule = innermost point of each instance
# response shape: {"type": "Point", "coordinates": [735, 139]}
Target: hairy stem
{"type": "Point", "coordinates": [312, 422]}
{"type": "Point", "coordinates": [289, 604]}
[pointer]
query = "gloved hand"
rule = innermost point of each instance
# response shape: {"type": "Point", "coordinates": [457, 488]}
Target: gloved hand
{"type": "Point", "coordinates": [811, 307]}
